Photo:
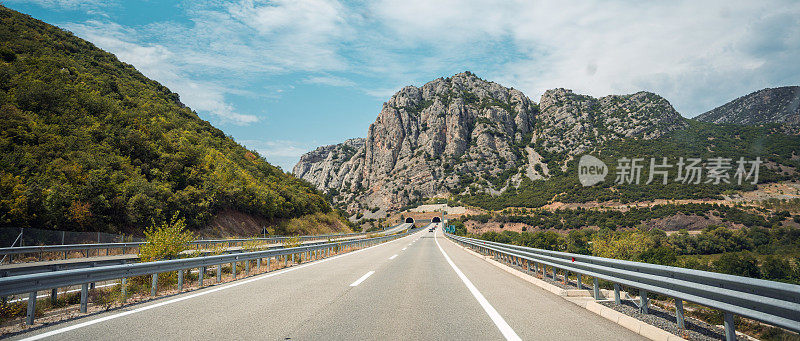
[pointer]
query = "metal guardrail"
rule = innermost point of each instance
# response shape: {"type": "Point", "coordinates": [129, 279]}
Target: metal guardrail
{"type": "Point", "coordinates": [91, 262]}
{"type": "Point", "coordinates": [33, 283]}
{"type": "Point", "coordinates": [85, 248]}
{"type": "Point", "coordinates": [773, 303]}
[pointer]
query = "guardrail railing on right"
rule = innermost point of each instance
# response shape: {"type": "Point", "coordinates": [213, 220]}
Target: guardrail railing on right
{"type": "Point", "coordinates": [770, 302]}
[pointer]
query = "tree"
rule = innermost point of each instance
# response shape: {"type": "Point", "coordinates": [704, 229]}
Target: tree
{"type": "Point", "coordinates": [776, 268]}
{"type": "Point", "coordinates": [739, 264]}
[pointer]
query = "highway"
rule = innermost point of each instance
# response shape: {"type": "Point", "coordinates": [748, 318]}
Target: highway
{"type": "Point", "coordinates": [422, 286]}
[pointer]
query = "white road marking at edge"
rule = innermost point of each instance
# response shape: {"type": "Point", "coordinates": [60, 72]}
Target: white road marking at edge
{"type": "Point", "coordinates": [498, 320]}
{"type": "Point", "coordinates": [404, 249]}
{"type": "Point", "coordinates": [363, 278]}
{"type": "Point", "coordinates": [159, 304]}
{"type": "Point", "coordinates": [392, 257]}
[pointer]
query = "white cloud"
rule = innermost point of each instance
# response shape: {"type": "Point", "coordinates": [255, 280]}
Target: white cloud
{"type": "Point", "coordinates": [162, 64]}
{"type": "Point", "coordinates": [696, 54]}
{"type": "Point", "coordinates": [282, 153]}
{"type": "Point", "coordinates": [69, 4]}
{"type": "Point", "coordinates": [330, 81]}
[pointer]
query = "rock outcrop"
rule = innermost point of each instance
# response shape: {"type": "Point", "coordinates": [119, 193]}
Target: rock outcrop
{"type": "Point", "coordinates": [771, 105]}
{"type": "Point", "coordinates": [460, 134]}
{"type": "Point", "coordinates": [573, 124]}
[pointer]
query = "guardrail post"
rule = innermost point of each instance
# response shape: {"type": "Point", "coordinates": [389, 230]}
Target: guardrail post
{"type": "Point", "coordinates": [180, 280]}
{"type": "Point", "coordinates": [258, 265]}
{"type": "Point", "coordinates": [84, 296]}
{"type": "Point", "coordinates": [154, 285]}
{"type": "Point", "coordinates": [293, 258]}
{"type": "Point", "coordinates": [679, 313]}
{"type": "Point", "coordinates": [31, 308]}
{"type": "Point", "coordinates": [616, 294]}
{"type": "Point", "coordinates": [200, 276]}
{"type": "Point", "coordinates": [233, 269]}
{"type": "Point", "coordinates": [268, 263]}
{"type": "Point", "coordinates": [596, 289]}
{"type": "Point", "coordinates": [219, 273]}
{"type": "Point", "coordinates": [124, 289]}
{"type": "Point", "coordinates": [730, 327]}
{"type": "Point", "coordinates": [580, 282]}
{"type": "Point", "coordinates": [53, 295]}
{"type": "Point", "coordinates": [285, 260]}
{"type": "Point", "coordinates": [643, 302]}
{"type": "Point", "coordinates": [247, 268]}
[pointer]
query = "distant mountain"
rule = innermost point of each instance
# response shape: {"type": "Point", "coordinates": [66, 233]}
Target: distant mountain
{"type": "Point", "coordinates": [767, 106]}
{"type": "Point", "coordinates": [89, 143]}
{"type": "Point", "coordinates": [474, 141]}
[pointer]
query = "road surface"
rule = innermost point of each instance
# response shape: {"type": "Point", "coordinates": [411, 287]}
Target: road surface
{"type": "Point", "coordinates": [404, 289]}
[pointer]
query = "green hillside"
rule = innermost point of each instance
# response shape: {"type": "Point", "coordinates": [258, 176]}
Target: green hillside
{"type": "Point", "coordinates": [699, 139]}
{"type": "Point", "coordinates": [88, 143]}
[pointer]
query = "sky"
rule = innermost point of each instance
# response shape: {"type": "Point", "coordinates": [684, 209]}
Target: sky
{"type": "Point", "coordinates": [284, 77]}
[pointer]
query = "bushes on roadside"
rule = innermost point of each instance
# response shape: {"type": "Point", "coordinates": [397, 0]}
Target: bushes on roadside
{"type": "Point", "coordinates": [166, 241]}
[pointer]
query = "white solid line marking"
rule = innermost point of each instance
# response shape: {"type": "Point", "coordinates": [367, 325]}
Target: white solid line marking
{"type": "Point", "coordinates": [393, 257]}
{"type": "Point", "coordinates": [498, 320]}
{"type": "Point", "coordinates": [159, 304]}
{"type": "Point", "coordinates": [363, 278]}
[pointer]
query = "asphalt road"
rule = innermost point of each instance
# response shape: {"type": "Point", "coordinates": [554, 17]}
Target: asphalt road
{"type": "Point", "coordinates": [405, 289]}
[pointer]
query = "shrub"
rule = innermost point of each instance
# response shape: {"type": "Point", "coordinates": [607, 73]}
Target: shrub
{"type": "Point", "coordinates": [744, 264]}
{"type": "Point", "coordinates": [165, 241]}
{"type": "Point", "coordinates": [776, 268]}
{"type": "Point", "coordinates": [291, 242]}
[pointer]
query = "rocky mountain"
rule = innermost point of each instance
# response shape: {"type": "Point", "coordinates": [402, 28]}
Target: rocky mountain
{"type": "Point", "coordinates": [462, 135]}
{"type": "Point", "coordinates": [572, 124]}
{"type": "Point", "coordinates": [326, 164]}
{"type": "Point", "coordinates": [771, 105]}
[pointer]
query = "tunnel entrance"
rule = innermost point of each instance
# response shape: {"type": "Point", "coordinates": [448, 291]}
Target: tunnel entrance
{"type": "Point", "coordinates": [409, 220]}
{"type": "Point", "coordinates": [436, 220]}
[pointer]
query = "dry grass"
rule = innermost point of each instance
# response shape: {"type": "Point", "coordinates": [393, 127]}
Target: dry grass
{"type": "Point", "coordinates": [313, 224]}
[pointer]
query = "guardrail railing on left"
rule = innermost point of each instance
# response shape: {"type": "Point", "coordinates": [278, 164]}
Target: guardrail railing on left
{"type": "Point", "coordinates": [770, 302]}
{"type": "Point", "coordinates": [85, 249]}
{"type": "Point", "coordinates": [33, 283]}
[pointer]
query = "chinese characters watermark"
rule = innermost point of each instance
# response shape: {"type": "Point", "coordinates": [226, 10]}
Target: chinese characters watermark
{"type": "Point", "coordinates": [715, 170]}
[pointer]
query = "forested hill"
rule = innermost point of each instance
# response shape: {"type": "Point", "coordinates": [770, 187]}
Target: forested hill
{"type": "Point", "coordinates": [89, 143]}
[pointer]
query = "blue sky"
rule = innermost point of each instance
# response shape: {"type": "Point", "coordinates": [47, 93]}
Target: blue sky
{"type": "Point", "coordinates": [283, 77]}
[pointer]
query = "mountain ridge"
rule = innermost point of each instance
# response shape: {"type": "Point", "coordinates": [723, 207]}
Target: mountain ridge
{"type": "Point", "coordinates": [779, 105]}
{"type": "Point", "coordinates": [460, 136]}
